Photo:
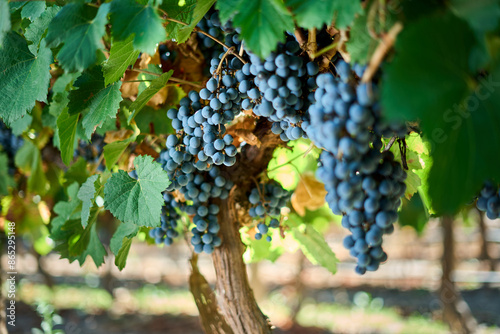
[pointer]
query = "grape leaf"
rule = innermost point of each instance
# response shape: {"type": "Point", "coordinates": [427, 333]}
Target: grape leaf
{"type": "Point", "coordinates": [76, 172]}
{"type": "Point", "coordinates": [86, 194]}
{"type": "Point", "coordinates": [154, 86]}
{"type": "Point", "coordinates": [414, 214]}
{"type": "Point", "coordinates": [227, 8]}
{"type": "Point", "coordinates": [202, 7]}
{"type": "Point", "coordinates": [263, 23]}
{"type": "Point", "coordinates": [32, 10]}
{"type": "Point", "coordinates": [81, 28]}
{"type": "Point", "coordinates": [121, 55]}
{"type": "Point", "coordinates": [19, 126]}
{"type": "Point", "coordinates": [4, 20]}
{"type": "Point", "coordinates": [124, 230]}
{"type": "Point", "coordinates": [182, 13]}
{"type": "Point", "coordinates": [29, 160]}
{"type": "Point", "coordinates": [36, 30]}
{"type": "Point", "coordinates": [458, 115]}
{"type": "Point", "coordinates": [137, 201]}
{"type": "Point", "coordinates": [315, 248]}
{"type": "Point", "coordinates": [66, 210]}
{"type": "Point", "coordinates": [314, 14]}
{"type": "Point", "coordinates": [482, 15]}
{"type": "Point", "coordinates": [92, 94]}
{"type": "Point", "coordinates": [66, 132]}
{"type": "Point", "coordinates": [121, 257]}
{"type": "Point", "coordinates": [361, 44]}
{"type": "Point", "coordinates": [121, 241]}
{"type": "Point", "coordinates": [90, 245]}
{"type": "Point", "coordinates": [129, 17]}
{"type": "Point", "coordinates": [73, 241]}
{"type": "Point", "coordinates": [5, 179]}
{"type": "Point", "coordinates": [441, 60]}
{"type": "Point", "coordinates": [114, 150]}
{"type": "Point", "coordinates": [24, 77]}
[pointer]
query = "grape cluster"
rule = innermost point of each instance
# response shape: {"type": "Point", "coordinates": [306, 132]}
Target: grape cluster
{"type": "Point", "coordinates": [489, 200]}
{"type": "Point", "coordinates": [9, 144]}
{"type": "Point", "coordinates": [169, 217]}
{"type": "Point", "coordinates": [363, 183]}
{"type": "Point", "coordinates": [211, 24]}
{"type": "Point", "coordinates": [91, 151]}
{"type": "Point", "coordinates": [281, 89]}
{"type": "Point", "coordinates": [267, 201]}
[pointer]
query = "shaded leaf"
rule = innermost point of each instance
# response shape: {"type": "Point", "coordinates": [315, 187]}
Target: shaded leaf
{"type": "Point", "coordinates": [24, 77]}
{"type": "Point", "coordinates": [121, 55]}
{"type": "Point", "coordinates": [80, 27]}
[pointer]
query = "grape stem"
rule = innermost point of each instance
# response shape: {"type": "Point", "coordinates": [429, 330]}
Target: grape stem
{"type": "Point", "coordinates": [196, 29]}
{"type": "Point", "coordinates": [383, 47]}
{"type": "Point", "coordinates": [177, 80]}
{"type": "Point", "coordinates": [390, 143]}
{"type": "Point", "coordinates": [303, 154]}
{"type": "Point", "coordinates": [312, 45]}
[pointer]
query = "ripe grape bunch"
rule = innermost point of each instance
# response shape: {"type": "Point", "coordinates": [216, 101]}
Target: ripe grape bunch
{"type": "Point", "coordinates": [363, 183]}
{"type": "Point", "coordinates": [267, 200]}
{"type": "Point", "coordinates": [489, 200]}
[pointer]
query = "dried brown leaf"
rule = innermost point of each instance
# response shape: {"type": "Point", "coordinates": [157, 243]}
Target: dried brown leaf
{"type": "Point", "coordinates": [310, 194]}
{"type": "Point", "coordinates": [112, 136]}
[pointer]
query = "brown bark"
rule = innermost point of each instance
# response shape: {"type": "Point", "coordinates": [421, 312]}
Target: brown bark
{"type": "Point", "coordinates": [456, 312]}
{"type": "Point", "coordinates": [211, 320]}
{"type": "Point", "coordinates": [235, 297]}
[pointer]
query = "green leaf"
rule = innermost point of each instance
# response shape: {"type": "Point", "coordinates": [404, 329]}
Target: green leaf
{"type": "Point", "coordinates": [148, 93]}
{"type": "Point", "coordinates": [86, 194]}
{"type": "Point", "coordinates": [36, 30]}
{"type": "Point", "coordinates": [263, 24]}
{"type": "Point", "coordinates": [89, 245]}
{"type": "Point", "coordinates": [124, 230]}
{"type": "Point", "coordinates": [458, 115]}
{"type": "Point", "coordinates": [4, 20]}
{"type": "Point", "coordinates": [121, 241]}
{"type": "Point", "coordinates": [5, 179]}
{"type": "Point", "coordinates": [361, 44]}
{"type": "Point", "coordinates": [156, 121]}
{"type": "Point", "coordinates": [258, 250]}
{"type": "Point", "coordinates": [77, 172]}
{"type": "Point", "coordinates": [436, 67]}
{"type": "Point", "coordinates": [121, 55]}
{"type": "Point", "coordinates": [482, 15]}
{"type": "Point", "coordinates": [315, 13]}
{"type": "Point", "coordinates": [92, 94]}
{"type": "Point", "coordinates": [113, 151]}
{"type": "Point", "coordinates": [19, 126]}
{"type": "Point", "coordinates": [129, 17]}
{"type": "Point", "coordinates": [182, 13]}
{"type": "Point", "coordinates": [29, 160]}
{"type": "Point", "coordinates": [137, 201]}
{"type": "Point", "coordinates": [202, 7]}
{"type": "Point", "coordinates": [81, 28]}
{"type": "Point", "coordinates": [227, 8]}
{"type": "Point", "coordinates": [414, 214]}
{"type": "Point", "coordinates": [65, 210]}
{"type": "Point", "coordinates": [121, 257]}
{"type": "Point", "coordinates": [315, 248]}
{"type": "Point", "coordinates": [32, 10]}
{"type": "Point", "coordinates": [66, 131]}
{"type": "Point", "coordinates": [24, 79]}
{"type": "Point", "coordinates": [462, 155]}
